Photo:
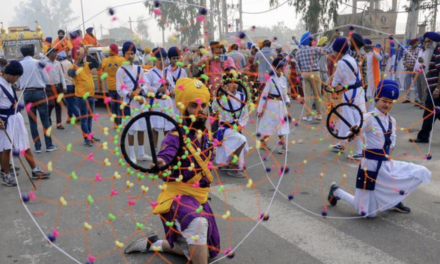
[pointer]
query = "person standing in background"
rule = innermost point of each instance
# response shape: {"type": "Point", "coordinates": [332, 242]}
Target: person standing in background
{"type": "Point", "coordinates": [72, 108]}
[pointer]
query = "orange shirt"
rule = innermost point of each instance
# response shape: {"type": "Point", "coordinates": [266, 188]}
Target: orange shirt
{"type": "Point", "coordinates": [111, 65]}
{"type": "Point", "coordinates": [90, 40]}
{"type": "Point", "coordinates": [63, 45]}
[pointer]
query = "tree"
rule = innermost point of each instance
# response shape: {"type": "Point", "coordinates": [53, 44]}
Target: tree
{"type": "Point", "coordinates": [280, 30]}
{"type": "Point", "coordinates": [412, 21]}
{"type": "Point", "coordinates": [142, 31]}
{"type": "Point", "coordinates": [316, 14]}
{"type": "Point", "coordinates": [181, 18]}
{"type": "Point", "coordinates": [50, 14]}
{"type": "Point", "coordinates": [121, 34]}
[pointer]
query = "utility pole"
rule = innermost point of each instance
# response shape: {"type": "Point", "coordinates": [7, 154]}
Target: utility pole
{"type": "Point", "coordinates": [129, 21]}
{"type": "Point", "coordinates": [225, 17]}
{"type": "Point", "coordinates": [434, 20]}
{"type": "Point", "coordinates": [82, 13]}
{"type": "Point", "coordinates": [240, 12]}
{"type": "Point", "coordinates": [219, 19]}
{"type": "Point", "coordinates": [211, 20]}
{"type": "Point", "coordinates": [101, 31]}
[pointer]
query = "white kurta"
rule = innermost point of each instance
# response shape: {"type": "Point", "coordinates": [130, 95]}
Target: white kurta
{"type": "Point", "coordinates": [389, 68]}
{"type": "Point", "coordinates": [232, 140]}
{"type": "Point", "coordinates": [274, 113]}
{"type": "Point", "coordinates": [345, 76]}
{"type": "Point", "coordinates": [172, 77]}
{"type": "Point", "coordinates": [393, 176]}
{"type": "Point", "coordinates": [153, 82]}
{"type": "Point", "coordinates": [16, 128]}
{"type": "Point", "coordinates": [124, 86]}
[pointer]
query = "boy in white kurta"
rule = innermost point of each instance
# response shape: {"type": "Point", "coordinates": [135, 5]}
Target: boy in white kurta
{"type": "Point", "coordinates": [130, 87]}
{"type": "Point", "coordinates": [233, 117]}
{"type": "Point", "coordinates": [381, 183]}
{"type": "Point", "coordinates": [174, 73]}
{"type": "Point", "coordinates": [156, 83]}
{"type": "Point", "coordinates": [12, 127]}
{"type": "Point", "coordinates": [347, 77]}
{"type": "Point", "coordinates": [272, 110]}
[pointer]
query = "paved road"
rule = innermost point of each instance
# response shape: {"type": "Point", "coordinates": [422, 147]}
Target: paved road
{"type": "Point", "coordinates": [295, 233]}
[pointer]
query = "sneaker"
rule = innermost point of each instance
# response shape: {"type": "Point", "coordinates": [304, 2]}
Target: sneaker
{"type": "Point", "coordinates": [145, 157]}
{"type": "Point", "coordinates": [88, 143]}
{"type": "Point", "coordinates": [282, 149]}
{"type": "Point", "coordinates": [40, 175]}
{"type": "Point", "coordinates": [337, 148]}
{"type": "Point", "coordinates": [307, 118]}
{"type": "Point", "coordinates": [38, 149]}
{"type": "Point", "coordinates": [11, 168]}
{"type": "Point", "coordinates": [9, 180]}
{"type": "Point", "coordinates": [60, 127]}
{"type": "Point", "coordinates": [355, 156]}
{"type": "Point", "coordinates": [236, 173]}
{"type": "Point", "coordinates": [133, 159]}
{"type": "Point", "coordinates": [51, 148]}
{"type": "Point", "coordinates": [406, 101]}
{"type": "Point", "coordinates": [141, 245]}
{"type": "Point", "coordinates": [318, 117]}
{"type": "Point", "coordinates": [95, 139]}
{"type": "Point", "coordinates": [331, 198]}
{"type": "Point", "coordinates": [401, 208]}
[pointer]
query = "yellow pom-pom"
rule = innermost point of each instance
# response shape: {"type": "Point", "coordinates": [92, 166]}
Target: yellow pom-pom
{"type": "Point", "coordinates": [119, 244]}
{"type": "Point", "coordinates": [87, 226]}
{"type": "Point", "coordinates": [49, 131]}
{"type": "Point", "coordinates": [49, 166]}
{"type": "Point", "coordinates": [60, 97]}
{"type": "Point", "coordinates": [63, 201]}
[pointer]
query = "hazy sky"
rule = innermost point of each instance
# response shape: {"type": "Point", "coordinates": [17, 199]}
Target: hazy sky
{"type": "Point", "coordinates": [92, 7]}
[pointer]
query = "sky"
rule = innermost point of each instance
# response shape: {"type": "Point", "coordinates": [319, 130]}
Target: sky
{"type": "Point", "coordinates": [284, 14]}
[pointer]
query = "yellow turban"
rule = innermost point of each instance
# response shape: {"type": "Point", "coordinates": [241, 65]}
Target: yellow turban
{"type": "Point", "coordinates": [190, 90]}
{"type": "Point", "coordinates": [322, 40]}
{"type": "Point", "coordinates": [147, 49]}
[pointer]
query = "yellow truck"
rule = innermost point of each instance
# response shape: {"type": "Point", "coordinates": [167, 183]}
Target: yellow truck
{"type": "Point", "coordinates": [16, 37]}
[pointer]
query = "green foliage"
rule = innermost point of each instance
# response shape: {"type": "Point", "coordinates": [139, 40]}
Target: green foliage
{"type": "Point", "coordinates": [180, 18]}
{"type": "Point", "coordinates": [50, 14]}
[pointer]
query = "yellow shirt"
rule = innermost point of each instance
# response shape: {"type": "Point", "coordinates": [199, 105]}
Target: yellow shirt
{"type": "Point", "coordinates": [83, 80]}
{"type": "Point", "coordinates": [111, 65]}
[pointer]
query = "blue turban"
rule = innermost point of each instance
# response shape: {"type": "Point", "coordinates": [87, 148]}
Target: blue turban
{"type": "Point", "coordinates": [173, 52]}
{"type": "Point", "coordinates": [128, 46]}
{"type": "Point", "coordinates": [62, 55]}
{"type": "Point", "coordinates": [159, 52]}
{"type": "Point", "coordinates": [388, 89]}
{"type": "Point", "coordinates": [357, 41]}
{"type": "Point", "coordinates": [408, 41]}
{"type": "Point", "coordinates": [14, 68]}
{"type": "Point", "coordinates": [278, 62]}
{"type": "Point", "coordinates": [368, 42]}
{"type": "Point", "coordinates": [306, 38]}
{"type": "Point", "coordinates": [432, 36]}
{"type": "Point", "coordinates": [340, 45]}
{"type": "Point", "coordinates": [378, 46]}
{"type": "Point", "coordinates": [421, 39]}
{"type": "Point", "coordinates": [249, 45]}
{"type": "Point", "coordinates": [89, 30]}
{"type": "Point", "coordinates": [392, 45]}
{"type": "Point", "coordinates": [49, 39]}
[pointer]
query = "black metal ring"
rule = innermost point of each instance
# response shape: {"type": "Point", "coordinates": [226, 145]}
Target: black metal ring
{"type": "Point", "coordinates": [242, 105]}
{"type": "Point", "coordinates": [334, 111]}
{"type": "Point", "coordinates": [147, 116]}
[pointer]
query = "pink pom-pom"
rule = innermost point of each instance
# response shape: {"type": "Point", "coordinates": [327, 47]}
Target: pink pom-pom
{"type": "Point", "coordinates": [215, 142]}
{"type": "Point", "coordinates": [28, 107]}
{"type": "Point", "coordinates": [157, 11]}
{"type": "Point", "coordinates": [196, 185]}
{"type": "Point", "coordinates": [211, 120]}
{"type": "Point", "coordinates": [90, 157]}
{"type": "Point", "coordinates": [22, 152]}
{"type": "Point", "coordinates": [199, 102]}
{"type": "Point", "coordinates": [153, 204]}
{"type": "Point", "coordinates": [91, 258]}
{"type": "Point", "coordinates": [124, 86]}
{"type": "Point", "coordinates": [114, 19]}
{"type": "Point", "coordinates": [114, 193]}
{"type": "Point", "coordinates": [55, 233]}
{"type": "Point", "coordinates": [130, 202]}
{"type": "Point", "coordinates": [177, 198]}
{"type": "Point", "coordinates": [267, 76]}
{"type": "Point", "coordinates": [48, 68]}
{"type": "Point", "coordinates": [95, 116]}
{"type": "Point", "coordinates": [252, 121]}
{"type": "Point", "coordinates": [141, 81]}
{"type": "Point", "coordinates": [98, 177]}
{"type": "Point", "coordinates": [200, 18]}
{"type": "Point", "coordinates": [107, 100]}
{"type": "Point", "coordinates": [90, 136]}
{"type": "Point", "coordinates": [32, 195]}
{"type": "Point", "coordinates": [210, 165]}
{"type": "Point", "coordinates": [180, 87]}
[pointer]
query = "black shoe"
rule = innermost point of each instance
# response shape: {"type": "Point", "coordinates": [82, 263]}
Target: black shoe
{"type": "Point", "coordinates": [332, 199]}
{"type": "Point", "coordinates": [401, 208]}
{"type": "Point", "coordinates": [406, 101]}
{"type": "Point", "coordinates": [60, 127]}
{"type": "Point", "coordinates": [40, 175]}
{"type": "Point", "coordinates": [141, 245]}
{"type": "Point", "coordinates": [88, 143]}
{"type": "Point", "coordinates": [416, 140]}
{"type": "Point", "coordinates": [95, 139]}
